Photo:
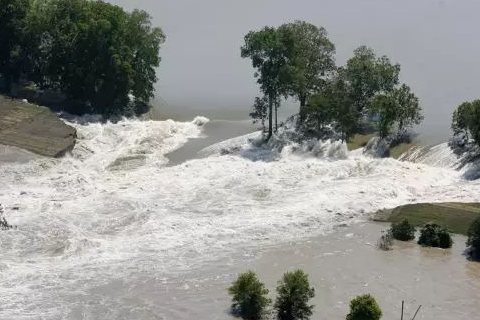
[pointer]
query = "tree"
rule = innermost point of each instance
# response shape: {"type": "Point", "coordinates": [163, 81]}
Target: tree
{"type": "Point", "coordinates": [249, 296]}
{"type": "Point", "coordinates": [259, 112]}
{"type": "Point", "coordinates": [403, 230]}
{"type": "Point", "coordinates": [267, 52]}
{"type": "Point", "coordinates": [369, 75]}
{"type": "Point", "coordinates": [310, 57]}
{"type": "Point", "coordinates": [398, 107]}
{"type": "Point", "coordinates": [473, 241]}
{"type": "Point", "coordinates": [334, 108]}
{"type": "Point", "coordinates": [12, 18]}
{"type": "Point", "coordinates": [433, 235]}
{"type": "Point", "coordinates": [466, 119]}
{"type": "Point", "coordinates": [94, 52]}
{"type": "Point", "coordinates": [364, 307]}
{"type": "Point", "coordinates": [293, 295]}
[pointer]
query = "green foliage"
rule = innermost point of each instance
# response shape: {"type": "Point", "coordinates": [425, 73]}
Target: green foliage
{"type": "Point", "coordinates": [249, 296]}
{"type": "Point", "coordinates": [310, 57]}
{"type": "Point", "coordinates": [12, 19]}
{"type": "Point", "coordinates": [94, 52]}
{"type": "Point", "coordinates": [364, 307]}
{"type": "Point", "coordinates": [397, 107]}
{"type": "Point", "coordinates": [333, 108]}
{"type": "Point", "coordinates": [267, 52]}
{"type": "Point", "coordinates": [259, 112]}
{"type": "Point", "coordinates": [473, 240]}
{"type": "Point", "coordinates": [403, 230]}
{"type": "Point", "coordinates": [433, 235]}
{"type": "Point", "coordinates": [293, 295]}
{"type": "Point", "coordinates": [466, 120]}
{"type": "Point", "coordinates": [369, 75]}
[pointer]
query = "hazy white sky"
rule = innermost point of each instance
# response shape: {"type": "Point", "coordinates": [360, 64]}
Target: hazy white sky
{"type": "Point", "coordinates": [436, 41]}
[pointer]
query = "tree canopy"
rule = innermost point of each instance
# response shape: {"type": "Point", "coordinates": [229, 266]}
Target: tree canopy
{"type": "Point", "coordinates": [297, 60]}
{"type": "Point", "coordinates": [95, 53]}
{"type": "Point", "coordinates": [466, 120]}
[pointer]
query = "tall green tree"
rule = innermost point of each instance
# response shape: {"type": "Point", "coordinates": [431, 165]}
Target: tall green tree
{"type": "Point", "coordinates": [310, 59]}
{"type": "Point", "coordinates": [293, 296]}
{"type": "Point", "coordinates": [94, 52]}
{"type": "Point", "coordinates": [334, 108]}
{"type": "Point", "coordinates": [267, 52]}
{"type": "Point", "coordinates": [369, 75]}
{"type": "Point", "coordinates": [12, 20]}
{"type": "Point", "coordinates": [249, 296]}
{"type": "Point", "coordinates": [398, 107]}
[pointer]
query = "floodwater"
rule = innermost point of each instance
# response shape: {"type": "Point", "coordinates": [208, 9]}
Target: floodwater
{"type": "Point", "coordinates": [114, 230]}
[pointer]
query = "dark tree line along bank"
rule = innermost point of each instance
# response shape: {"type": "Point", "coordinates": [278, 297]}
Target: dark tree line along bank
{"type": "Point", "coordinates": [100, 57]}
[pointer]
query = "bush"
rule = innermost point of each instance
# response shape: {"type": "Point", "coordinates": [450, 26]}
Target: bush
{"type": "Point", "coordinates": [386, 240]}
{"type": "Point", "coordinates": [249, 296]}
{"type": "Point", "coordinates": [403, 231]}
{"type": "Point", "coordinates": [294, 292]}
{"type": "Point", "coordinates": [473, 241]}
{"type": "Point", "coordinates": [364, 307]}
{"type": "Point", "coordinates": [433, 235]}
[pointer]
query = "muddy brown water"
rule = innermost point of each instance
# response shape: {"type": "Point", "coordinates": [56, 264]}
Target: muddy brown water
{"type": "Point", "coordinates": [341, 265]}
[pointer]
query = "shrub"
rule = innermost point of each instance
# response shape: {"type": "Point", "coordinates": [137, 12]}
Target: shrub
{"type": "Point", "coordinates": [293, 294]}
{"type": "Point", "coordinates": [473, 241]}
{"type": "Point", "coordinates": [433, 235]}
{"type": "Point", "coordinates": [249, 296]}
{"type": "Point", "coordinates": [403, 230]}
{"type": "Point", "coordinates": [386, 240]}
{"type": "Point", "coordinates": [364, 307]}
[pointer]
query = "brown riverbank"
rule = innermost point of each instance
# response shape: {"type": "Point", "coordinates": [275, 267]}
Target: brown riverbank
{"type": "Point", "coordinates": [34, 128]}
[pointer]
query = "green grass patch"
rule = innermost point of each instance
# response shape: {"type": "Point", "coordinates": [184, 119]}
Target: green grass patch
{"type": "Point", "coordinates": [456, 217]}
{"type": "Point", "coordinates": [359, 141]}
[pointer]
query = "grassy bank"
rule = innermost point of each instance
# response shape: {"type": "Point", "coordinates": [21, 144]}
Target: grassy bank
{"type": "Point", "coordinates": [360, 140]}
{"type": "Point", "coordinates": [457, 217]}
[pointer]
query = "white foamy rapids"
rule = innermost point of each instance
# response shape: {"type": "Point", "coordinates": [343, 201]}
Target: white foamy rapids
{"type": "Point", "coordinates": [86, 225]}
{"type": "Point", "coordinates": [440, 155]}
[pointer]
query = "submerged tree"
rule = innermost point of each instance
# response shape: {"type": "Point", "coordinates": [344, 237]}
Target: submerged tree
{"type": "Point", "coordinates": [267, 52]}
{"type": "Point", "coordinates": [473, 241]}
{"type": "Point", "coordinates": [249, 296]}
{"type": "Point", "coordinates": [310, 59]}
{"type": "Point", "coordinates": [364, 307]}
{"type": "Point", "coordinates": [293, 296]}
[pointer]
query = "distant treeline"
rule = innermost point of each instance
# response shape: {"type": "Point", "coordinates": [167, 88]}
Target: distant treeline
{"type": "Point", "coordinates": [297, 60]}
{"type": "Point", "coordinates": [99, 56]}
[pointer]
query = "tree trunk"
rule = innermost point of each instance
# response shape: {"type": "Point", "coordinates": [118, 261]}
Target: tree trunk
{"type": "Point", "coordinates": [276, 116]}
{"type": "Point", "coordinates": [303, 102]}
{"type": "Point", "coordinates": [270, 117]}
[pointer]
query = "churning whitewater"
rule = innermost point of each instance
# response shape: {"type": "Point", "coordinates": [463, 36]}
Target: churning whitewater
{"type": "Point", "coordinates": [113, 210]}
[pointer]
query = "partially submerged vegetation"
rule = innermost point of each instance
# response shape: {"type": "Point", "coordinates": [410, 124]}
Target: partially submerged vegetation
{"type": "Point", "coordinates": [434, 235]}
{"type": "Point", "coordinates": [457, 217]}
{"type": "Point", "coordinates": [297, 60]}
{"type": "Point", "coordinates": [473, 241]}
{"type": "Point", "coordinates": [403, 230]}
